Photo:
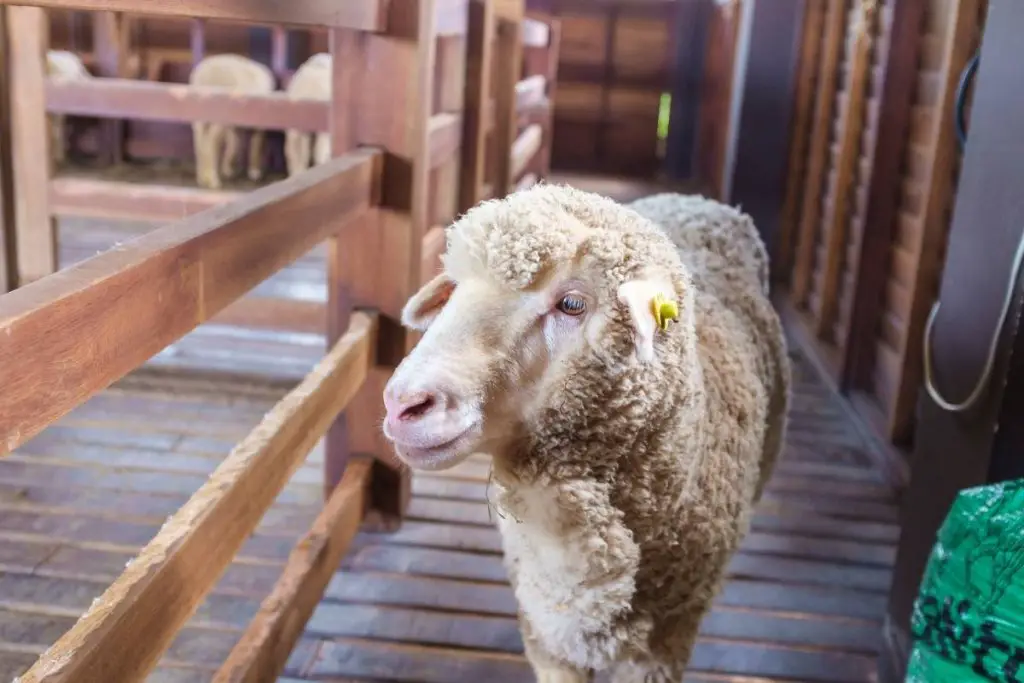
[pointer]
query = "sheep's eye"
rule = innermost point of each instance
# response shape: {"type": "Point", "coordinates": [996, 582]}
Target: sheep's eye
{"type": "Point", "coordinates": [572, 304]}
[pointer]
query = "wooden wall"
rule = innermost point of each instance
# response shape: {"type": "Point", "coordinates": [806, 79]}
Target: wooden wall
{"type": "Point", "coordinates": [867, 210]}
{"type": "Point", "coordinates": [616, 61]}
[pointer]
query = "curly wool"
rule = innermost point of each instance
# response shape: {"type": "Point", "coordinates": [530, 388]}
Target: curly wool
{"type": "Point", "coordinates": [632, 484]}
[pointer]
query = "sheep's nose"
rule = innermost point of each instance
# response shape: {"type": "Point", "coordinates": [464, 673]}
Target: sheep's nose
{"type": "Point", "coordinates": [409, 407]}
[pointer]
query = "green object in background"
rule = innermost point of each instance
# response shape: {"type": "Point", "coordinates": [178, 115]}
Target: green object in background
{"type": "Point", "coordinates": [968, 622]}
{"type": "Point", "coordinates": [664, 113]}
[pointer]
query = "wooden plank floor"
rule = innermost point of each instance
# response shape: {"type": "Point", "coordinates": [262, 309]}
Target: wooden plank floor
{"type": "Point", "coordinates": [429, 603]}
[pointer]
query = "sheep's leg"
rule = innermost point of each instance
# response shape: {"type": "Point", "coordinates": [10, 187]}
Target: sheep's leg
{"type": "Point", "coordinates": [322, 149]}
{"type": "Point", "coordinates": [546, 668]}
{"type": "Point", "coordinates": [296, 150]}
{"type": "Point", "coordinates": [232, 143]}
{"type": "Point", "coordinates": [647, 672]}
{"type": "Point", "coordinates": [201, 149]}
{"type": "Point", "coordinates": [256, 155]}
{"type": "Point", "coordinates": [57, 137]}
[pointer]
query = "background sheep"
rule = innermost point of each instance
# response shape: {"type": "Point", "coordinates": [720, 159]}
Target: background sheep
{"type": "Point", "coordinates": [217, 145]}
{"type": "Point", "coordinates": [626, 458]}
{"type": "Point", "coordinates": [62, 65]}
{"type": "Point", "coordinates": [312, 81]}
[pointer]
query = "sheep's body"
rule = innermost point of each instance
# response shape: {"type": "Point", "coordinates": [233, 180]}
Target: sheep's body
{"type": "Point", "coordinates": [311, 81]}
{"type": "Point", "coordinates": [217, 145]}
{"type": "Point", "coordinates": [627, 459]}
{"type": "Point", "coordinates": [63, 65]}
{"type": "Point", "coordinates": [614, 554]}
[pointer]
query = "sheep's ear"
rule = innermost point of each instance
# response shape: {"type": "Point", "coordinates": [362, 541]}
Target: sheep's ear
{"type": "Point", "coordinates": [651, 306]}
{"type": "Point", "coordinates": [425, 304]}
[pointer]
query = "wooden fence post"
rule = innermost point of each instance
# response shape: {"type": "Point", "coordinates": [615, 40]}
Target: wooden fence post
{"type": "Point", "coordinates": [378, 265]}
{"type": "Point", "coordinates": [508, 71]}
{"type": "Point", "coordinates": [476, 106]}
{"type": "Point", "coordinates": [31, 160]}
{"type": "Point", "coordinates": [8, 266]}
{"type": "Point", "coordinates": [111, 45]}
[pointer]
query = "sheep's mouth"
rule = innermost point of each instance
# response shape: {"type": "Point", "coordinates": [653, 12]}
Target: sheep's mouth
{"type": "Point", "coordinates": [441, 455]}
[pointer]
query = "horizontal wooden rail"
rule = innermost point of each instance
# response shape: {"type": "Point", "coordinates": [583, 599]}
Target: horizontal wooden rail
{"type": "Point", "coordinates": [530, 92]}
{"type": "Point", "coordinates": [73, 333]}
{"type": "Point", "coordinates": [526, 182]}
{"type": "Point", "coordinates": [536, 33]}
{"type": "Point", "coordinates": [72, 196]}
{"type": "Point", "coordinates": [524, 148]}
{"type": "Point", "coordinates": [123, 635]}
{"type": "Point", "coordinates": [180, 103]}
{"type": "Point", "coordinates": [261, 654]}
{"type": "Point", "coordinates": [361, 15]}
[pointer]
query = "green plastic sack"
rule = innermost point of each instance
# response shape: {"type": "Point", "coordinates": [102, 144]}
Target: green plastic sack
{"type": "Point", "coordinates": [968, 622]}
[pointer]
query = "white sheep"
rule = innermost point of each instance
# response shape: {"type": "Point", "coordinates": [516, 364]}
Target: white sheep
{"type": "Point", "coordinates": [217, 145]}
{"type": "Point", "coordinates": [625, 370]}
{"type": "Point", "coordinates": [311, 81]}
{"type": "Point", "coordinates": [62, 65]}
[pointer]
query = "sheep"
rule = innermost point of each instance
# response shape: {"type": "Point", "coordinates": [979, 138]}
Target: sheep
{"type": "Point", "coordinates": [239, 75]}
{"type": "Point", "coordinates": [311, 81]}
{"type": "Point", "coordinates": [62, 65]}
{"type": "Point", "coordinates": [625, 371]}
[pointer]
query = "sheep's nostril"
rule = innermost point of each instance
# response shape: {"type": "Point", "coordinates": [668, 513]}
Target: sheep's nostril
{"type": "Point", "coordinates": [418, 408]}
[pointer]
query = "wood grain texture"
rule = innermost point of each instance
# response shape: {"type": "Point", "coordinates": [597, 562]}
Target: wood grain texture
{"type": "Point", "coordinates": [30, 151]}
{"type": "Point", "coordinates": [132, 301]}
{"type": "Point", "coordinates": [364, 15]}
{"type": "Point", "coordinates": [70, 196]}
{"type": "Point", "coordinates": [851, 124]}
{"type": "Point", "coordinates": [810, 213]}
{"type": "Point", "coordinates": [121, 637]}
{"type": "Point", "coordinates": [524, 149]}
{"type": "Point", "coordinates": [263, 651]}
{"type": "Point", "coordinates": [476, 117]}
{"type": "Point", "coordinates": [943, 157]}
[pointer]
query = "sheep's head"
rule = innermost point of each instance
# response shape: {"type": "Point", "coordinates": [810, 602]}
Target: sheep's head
{"type": "Point", "coordinates": [541, 292]}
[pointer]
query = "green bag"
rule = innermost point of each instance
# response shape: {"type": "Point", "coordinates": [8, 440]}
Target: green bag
{"type": "Point", "coordinates": [968, 621]}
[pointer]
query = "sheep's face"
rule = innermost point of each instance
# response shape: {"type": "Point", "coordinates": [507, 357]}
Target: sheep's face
{"type": "Point", "coordinates": [507, 324]}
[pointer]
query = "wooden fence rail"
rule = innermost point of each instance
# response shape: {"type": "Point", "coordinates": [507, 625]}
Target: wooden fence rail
{"type": "Point", "coordinates": [65, 336]}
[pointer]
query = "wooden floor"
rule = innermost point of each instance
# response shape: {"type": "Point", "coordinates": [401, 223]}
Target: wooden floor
{"type": "Point", "coordinates": [430, 603]}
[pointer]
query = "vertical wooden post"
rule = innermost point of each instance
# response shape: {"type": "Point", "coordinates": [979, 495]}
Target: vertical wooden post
{"type": "Point", "coordinates": [197, 40]}
{"type": "Point", "coordinates": [810, 45]}
{"type": "Point", "coordinates": [551, 76]}
{"type": "Point", "coordinates": [943, 156]}
{"type": "Point", "coordinates": [819, 149]}
{"type": "Point", "coordinates": [279, 51]}
{"type": "Point", "coordinates": [479, 46]}
{"type": "Point", "coordinates": [899, 80]}
{"type": "Point", "coordinates": [31, 159]}
{"type": "Point", "coordinates": [508, 67]}
{"type": "Point", "coordinates": [8, 247]}
{"type": "Point", "coordinates": [111, 43]}
{"type": "Point", "coordinates": [850, 132]}
{"type": "Point", "coordinates": [378, 265]}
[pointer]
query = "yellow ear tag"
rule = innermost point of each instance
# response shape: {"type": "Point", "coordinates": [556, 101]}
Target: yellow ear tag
{"type": "Point", "coordinates": [664, 310]}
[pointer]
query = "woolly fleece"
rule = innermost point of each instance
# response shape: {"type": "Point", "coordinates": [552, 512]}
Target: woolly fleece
{"type": "Point", "coordinates": [627, 491]}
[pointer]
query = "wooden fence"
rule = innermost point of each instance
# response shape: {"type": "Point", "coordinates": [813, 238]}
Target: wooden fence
{"type": "Point", "coordinates": [871, 183]}
{"type": "Point", "coordinates": [68, 335]}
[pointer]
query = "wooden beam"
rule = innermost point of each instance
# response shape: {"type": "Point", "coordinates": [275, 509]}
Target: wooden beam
{"type": "Point", "coordinates": [181, 103]}
{"type": "Point", "coordinates": [851, 132]}
{"type": "Point", "coordinates": [433, 246]}
{"type": "Point", "coordinates": [899, 82]}
{"type": "Point", "coordinates": [796, 179]}
{"type": "Point", "coordinates": [123, 635]}
{"type": "Point", "coordinates": [810, 214]}
{"type": "Point", "coordinates": [132, 301]}
{"type": "Point", "coordinates": [71, 196]}
{"type": "Point", "coordinates": [526, 182]}
{"type": "Point", "coordinates": [31, 159]}
{"type": "Point", "coordinates": [261, 654]}
{"type": "Point", "coordinates": [8, 247]}
{"type": "Point", "coordinates": [476, 112]}
{"type": "Point", "coordinates": [360, 15]}
{"type": "Point", "coordinates": [111, 47]}
{"type": "Point", "coordinates": [942, 161]}
{"type": "Point", "coordinates": [524, 149]}
{"type": "Point", "coordinates": [508, 67]}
